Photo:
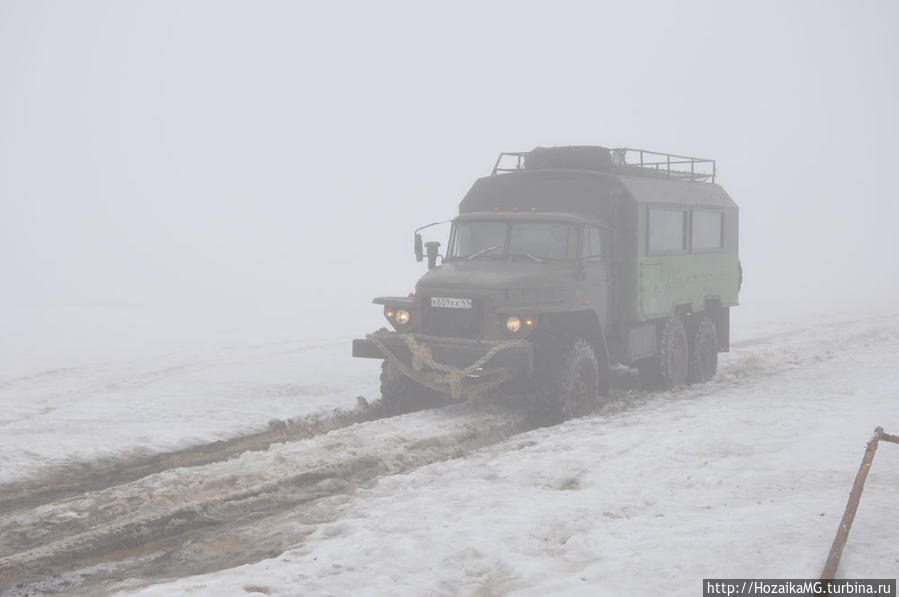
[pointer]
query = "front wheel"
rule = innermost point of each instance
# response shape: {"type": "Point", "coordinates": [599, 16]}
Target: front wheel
{"type": "Point", "coordinates": [568, 380]}
{"type": "Point", "coordinates": [399, 394]}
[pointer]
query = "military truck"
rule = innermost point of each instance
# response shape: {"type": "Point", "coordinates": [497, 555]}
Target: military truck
{"type": "Point", "coordinates": [562, 263]}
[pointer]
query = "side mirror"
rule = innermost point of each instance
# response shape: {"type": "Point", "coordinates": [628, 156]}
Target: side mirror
{"type": "Point", "coordinates": [432, 247]}
{"type": "Point", "coordinates": [419, 252]}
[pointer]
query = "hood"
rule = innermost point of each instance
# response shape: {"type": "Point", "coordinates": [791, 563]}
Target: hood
{"type": "Point", "coordinates": [487, 274]}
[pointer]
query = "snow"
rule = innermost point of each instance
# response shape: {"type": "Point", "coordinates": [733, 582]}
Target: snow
{"type": "Point", "coordinates": [746, 476]}
{"type": "Point", "coordinates": [147, 402]}
{"type": "Point", "coordinates": [118, 409]}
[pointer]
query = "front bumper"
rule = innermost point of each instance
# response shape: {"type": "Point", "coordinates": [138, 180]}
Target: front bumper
{"type": "Point", "coordinates": [456, 352]}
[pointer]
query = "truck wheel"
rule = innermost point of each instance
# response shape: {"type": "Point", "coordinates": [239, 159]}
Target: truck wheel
{"type": "Point", "coordinates": [569, 380]}
{"type": "Point", "coordinates": [703, 362]}
{"type": "Point", "coordinates": [399, 394]}
{"type": "Point", "coordinates": [668, 369]}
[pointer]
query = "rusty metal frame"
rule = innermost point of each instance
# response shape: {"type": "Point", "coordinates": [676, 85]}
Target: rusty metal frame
{"type": "Point", "coordinates": [839, 541]}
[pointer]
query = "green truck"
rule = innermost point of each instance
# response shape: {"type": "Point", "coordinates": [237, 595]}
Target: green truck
{"type": "Point", "coordinates": [561, 263]}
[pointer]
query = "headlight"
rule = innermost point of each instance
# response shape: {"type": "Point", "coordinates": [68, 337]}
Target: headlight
{"type": "Point", "coordinates": [402, 317]}
{"type": "Point", "coordinates": [513, 324]}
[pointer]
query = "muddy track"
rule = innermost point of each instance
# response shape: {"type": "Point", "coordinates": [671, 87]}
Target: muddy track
{"type": "Point", "coordinates": [180, 522]}
{"type": "Point", "coordinates": [160, 512]}
{"type": "Point", "coordinates": [94, 476]}
{"type": "Point", "coordinates": [184, 520]}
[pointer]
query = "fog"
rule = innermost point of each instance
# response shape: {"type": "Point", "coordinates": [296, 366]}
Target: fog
{"type": "Point", "coordinates": [177, 173]}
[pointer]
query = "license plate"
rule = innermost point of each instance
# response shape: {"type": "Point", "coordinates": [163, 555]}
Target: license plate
{"type": "Point", "coordinates": [444, 302]}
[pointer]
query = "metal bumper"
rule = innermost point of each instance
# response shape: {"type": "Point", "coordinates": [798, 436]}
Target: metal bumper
{"type": "Point", "coordinates": [457, 352]}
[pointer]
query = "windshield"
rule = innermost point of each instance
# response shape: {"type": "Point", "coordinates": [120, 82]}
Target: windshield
{"type": "Point", "coordinates": [472, 239]}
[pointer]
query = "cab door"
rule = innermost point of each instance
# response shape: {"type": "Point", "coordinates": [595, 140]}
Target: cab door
{"type": "Point", "coordinates": [595, 278]}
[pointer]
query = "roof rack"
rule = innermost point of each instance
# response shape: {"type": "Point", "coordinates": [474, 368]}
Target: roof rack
{"type": "Point", "coordinates": [519, 162]}
{"type": "Point", "coordinates": [624, 160]}
{"type": "Point", "coordinates": [670, 165]}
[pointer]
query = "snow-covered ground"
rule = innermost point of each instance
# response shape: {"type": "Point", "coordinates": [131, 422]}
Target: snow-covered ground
{"type": "Point", "coordinates": [123, 408]}
{"type": "Point", "coordinates": [743, 477]}
{"type": "Point", "coordinates": [143, 402]}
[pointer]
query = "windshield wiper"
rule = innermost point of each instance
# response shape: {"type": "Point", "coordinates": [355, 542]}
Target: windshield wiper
{"type": "Point", "coordinates": [534, 257]}
{"type": "Point", "coordinates": [482, 251]}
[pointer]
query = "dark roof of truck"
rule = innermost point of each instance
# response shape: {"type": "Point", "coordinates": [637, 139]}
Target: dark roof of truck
{"type": "Point", "coordinates": [678, 192]}
{"type": "Point", "coordinates": [585, 192]}
{"type": "Point", "coordinates": [528, 216]}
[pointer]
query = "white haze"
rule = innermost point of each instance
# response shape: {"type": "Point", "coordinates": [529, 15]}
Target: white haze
{"type": "Point", "coordinates": [175, 173]}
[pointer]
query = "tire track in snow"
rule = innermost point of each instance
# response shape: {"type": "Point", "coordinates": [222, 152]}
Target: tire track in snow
{"type": "Point", "coordinates": [166, 507]}
{"type": "Point", "coordinates": [94, 476]}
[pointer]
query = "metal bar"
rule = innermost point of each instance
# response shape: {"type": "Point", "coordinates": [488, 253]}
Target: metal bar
{"type": "Point", "coordinates": [672, 162]}
{"type": "Point", "coordinates": [836, 550]}
{"type": "Point", "coordinates": [518, 166]}
{"type": "Point", "coordinates": [674, 155]}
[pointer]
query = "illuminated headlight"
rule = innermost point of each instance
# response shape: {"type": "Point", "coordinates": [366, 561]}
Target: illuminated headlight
{"type": "Point", "coordinates": [402, 317]}
{"type": "Point", "coordinates": [513, 324]}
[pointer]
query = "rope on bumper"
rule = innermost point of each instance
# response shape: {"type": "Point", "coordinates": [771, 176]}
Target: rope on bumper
{"type": "Point", "coordinates": [440, 376]}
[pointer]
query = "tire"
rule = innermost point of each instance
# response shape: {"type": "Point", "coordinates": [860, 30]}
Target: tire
{"type": "Point", "coordinates": [703, 342]}
{"type": "Point", "coordinates": [399, 394]}
{"type": "Point", "coordinates": [568, 380]}
{"type": "Point", "coordinates": [667, 370]}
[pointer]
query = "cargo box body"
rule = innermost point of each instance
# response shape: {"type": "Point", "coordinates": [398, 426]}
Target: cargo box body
{"type": "Point", "coordinates": [675, 241]}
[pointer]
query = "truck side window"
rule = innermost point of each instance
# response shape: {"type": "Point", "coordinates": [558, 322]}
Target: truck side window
{"type": "Point", "coordinates": [707, 230]}
{"type": "Point", "coordinates": [667, 230]}
{"type": "Point", "coordinates": [592, 243]}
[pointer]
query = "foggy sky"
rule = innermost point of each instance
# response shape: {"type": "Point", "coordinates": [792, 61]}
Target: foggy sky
{"type": "Point", "coordinates": [187, 171]}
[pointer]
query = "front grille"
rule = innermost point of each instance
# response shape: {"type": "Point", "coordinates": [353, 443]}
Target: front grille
{"type": "Point", "coordinates": [453, 323]}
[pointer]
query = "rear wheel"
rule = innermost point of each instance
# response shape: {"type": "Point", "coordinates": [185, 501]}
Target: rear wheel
{"type": "Point", "coordinates": [703, 362]}
{"type": "Point", "coordinates": [399, 394]}
{"type": "Point", "coordinates": [668, 369]}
